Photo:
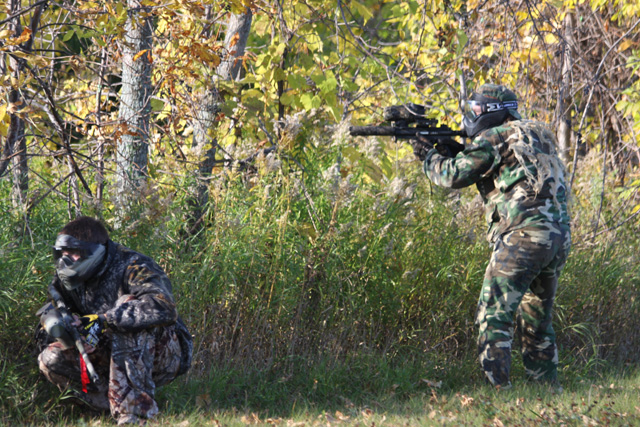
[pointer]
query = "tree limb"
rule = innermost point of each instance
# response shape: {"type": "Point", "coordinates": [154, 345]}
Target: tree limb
{"type": "Point", "coordinates": [595, 79]}
{"type": "Point", "coordinates": [58, 124]}
{"type": "Point", "coordinates": [23, 11]}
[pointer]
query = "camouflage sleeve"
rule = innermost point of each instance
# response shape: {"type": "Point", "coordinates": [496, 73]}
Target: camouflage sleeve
{"type": "Point", "coordinates": [468, 167]}
{"type": "Point", "coordinates": [149, 304]}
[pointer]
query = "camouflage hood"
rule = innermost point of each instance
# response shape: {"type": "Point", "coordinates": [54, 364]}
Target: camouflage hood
{"type": "Point", "coordinates": [543, 157]}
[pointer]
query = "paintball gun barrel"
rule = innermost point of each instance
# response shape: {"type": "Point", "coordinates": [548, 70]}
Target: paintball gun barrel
{"type": "Point", "coordinates": [408, 121]}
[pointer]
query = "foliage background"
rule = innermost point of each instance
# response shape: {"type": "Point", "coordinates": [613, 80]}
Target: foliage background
{"type": "Point", "coordinates": [324, 257]}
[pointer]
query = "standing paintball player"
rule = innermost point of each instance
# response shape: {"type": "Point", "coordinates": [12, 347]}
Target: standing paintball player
{"type": "Point", "coordinates": [112, 333]}
{"type": "Point", "coordinates": [521, 180]}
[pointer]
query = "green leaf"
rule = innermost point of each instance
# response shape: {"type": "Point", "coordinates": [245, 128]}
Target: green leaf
{"type": "Point", "coordinates": [280, 49]}
{"type": "Point", "coordinates": [316, 102]}
{"type": "Point", "coordinates": [387, 166]}
{"type": "Point", "coordinates": [336, 111]}
{"type": "Point", "coordinates": [329, 84]}
{"type": "Point", "coordinates": [278, 74]}
{"type": "Point", "coordinates": [372, 170]}
{"type": "Point", "coordinates": [307, 101]}
{"type": "Point", "coordinates": [314, 43]}
{"type": "Point", "coordinates": [462, 38]}
{"type": "Point", "coordinates": [252, 93]}
{"type": "Point", "coordinates": [296, 81]}
{"type": "Point", "coordinates": [351, 153]}
{"type": "Point", "coordinates": [317, 78]}
{"type": "Point", "coordinates": [263, 60]}
{"type": "Point", "coordinates": [287, 98]}
{"type": "Point", "coordinates": [363, 10]}
{"type": "Point", "coordinates": [157, 105]}
{"type": "Point", "coordinates": [253, 98]}
{"type": "Point", "coordinates": [310, 101]}
{"type": "Point", "coordinates": [67, 36]}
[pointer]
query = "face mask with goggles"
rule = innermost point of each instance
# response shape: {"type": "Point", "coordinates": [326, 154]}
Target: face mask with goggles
{"type": "Point", "coordinates": [481, 113]}
{"type": "Point", "coordinates": [76, 261]}
{"type": "Point", "coordinates": [474, 109]}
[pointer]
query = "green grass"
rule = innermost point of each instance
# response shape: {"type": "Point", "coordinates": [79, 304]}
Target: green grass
{"type": "Point", "coordinates": [376, 393]}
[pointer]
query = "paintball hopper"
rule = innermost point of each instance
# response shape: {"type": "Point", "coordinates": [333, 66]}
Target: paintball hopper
{"type": "Point", "coordinates": [51, 321]}
{"type": "Point", "coordinates": [407, 113]}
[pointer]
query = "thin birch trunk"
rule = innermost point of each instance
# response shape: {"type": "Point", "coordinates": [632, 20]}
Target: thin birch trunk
{"type": "Point", "coordinates": [564, 95]}
{"type": "Point", "coordinates": [135, 108]}
{"type": "Point", "coordinates": [204, 144]}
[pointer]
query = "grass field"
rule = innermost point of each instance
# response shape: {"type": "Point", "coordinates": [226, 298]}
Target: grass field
{"type": "Point", "coordinates": [397, 397]}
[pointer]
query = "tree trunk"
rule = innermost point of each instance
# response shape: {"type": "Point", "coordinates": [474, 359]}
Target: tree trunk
{"type": "Point", "coordinates": [135, 108]}
{"type": "Point", "coordinates": [100, 149]}
{"type": "Point", "coordinates": [564, 94]}
{"type": "Point", "coordinates": [204, 143]}
{"type": "Point", "coordinates": [16, 144]}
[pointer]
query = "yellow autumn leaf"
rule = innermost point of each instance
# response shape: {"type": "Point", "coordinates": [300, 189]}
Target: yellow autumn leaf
{"type": "Point", "coordinates": [139, 54]}
{"type": "Point", "coordinates": [626, 44]}
{"type": "Point", "coordinates": [26, 35]}
{"type": "Point", "coordinates": [206, 55]}
{"type": "Point", "coordinates": [487, 51]}
{"type": "Point", "coordinates": [550, 39]}
{"type": "Point", "coordinates": [88, 5]}
{"type": "Point", "coordinates": [4, 120]}
{"type": "Point", "coordinates": [234, 40]}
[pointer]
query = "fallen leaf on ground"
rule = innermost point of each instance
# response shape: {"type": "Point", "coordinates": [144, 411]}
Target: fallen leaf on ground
{"type": "Point", "coordinates": [436, 384]}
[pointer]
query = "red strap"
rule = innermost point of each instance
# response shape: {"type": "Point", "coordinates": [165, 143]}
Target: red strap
{"type": "Point", "coordinates": [84, 376]}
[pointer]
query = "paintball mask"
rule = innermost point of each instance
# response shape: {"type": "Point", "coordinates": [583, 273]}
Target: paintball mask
{"type": "Point", "coordinates": [73, 271]}
{"type": "Point", "coordinates": [489, 107]}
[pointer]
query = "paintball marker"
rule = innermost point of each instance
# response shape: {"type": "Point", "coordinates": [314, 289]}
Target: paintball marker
{"type": "Point", "coordinates": [408, 121]}
{"type": "Point", "coordinates": [57, 320]}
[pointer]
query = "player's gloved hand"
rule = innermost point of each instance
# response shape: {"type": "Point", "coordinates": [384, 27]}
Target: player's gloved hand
{"type": "Point", "coordinates": [92, 327]}
{"type": "Point", "coordinates": [421, 148]}
{"type": "Point", "coordinates": [448, 147]}
{"type": "Point", "coordinates": [445, 146]}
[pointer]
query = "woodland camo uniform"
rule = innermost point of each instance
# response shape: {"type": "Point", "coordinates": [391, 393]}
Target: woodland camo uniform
{"type": "Point", "coordinates": [521, 180]}
{"type": "Point", "coordinates": [145, 344]}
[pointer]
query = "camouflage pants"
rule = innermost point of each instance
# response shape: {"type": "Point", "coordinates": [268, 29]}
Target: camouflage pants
{"type": "Point", "coordinates": [521, 281]}
{"type": "Point", "coordinates": [130, 366]}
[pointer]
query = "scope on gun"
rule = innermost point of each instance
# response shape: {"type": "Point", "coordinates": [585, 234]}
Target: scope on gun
{"type": "Point", "coordinates": [407, 113]}
{"type": "Point", "coordinates": [407, 122]}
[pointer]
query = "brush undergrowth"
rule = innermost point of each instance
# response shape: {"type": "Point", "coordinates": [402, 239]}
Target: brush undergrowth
{"type": "Point", "coordinates": [336, 288]}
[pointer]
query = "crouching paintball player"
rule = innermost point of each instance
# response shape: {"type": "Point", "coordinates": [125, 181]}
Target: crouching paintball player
{"type": "Point", "coordinates": [111, 333]}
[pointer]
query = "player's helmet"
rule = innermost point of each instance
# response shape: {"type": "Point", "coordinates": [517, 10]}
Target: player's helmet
{"type": "Point", "coordinates": [74, 272]}
{"type": "Point", "coordinates": [490, 106]}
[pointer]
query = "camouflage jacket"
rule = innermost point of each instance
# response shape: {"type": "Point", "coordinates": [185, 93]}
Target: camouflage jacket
{"type": "Point", "coordinates": [517, 172]}
{"type": "Point", "coordinates": [126, 272]}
